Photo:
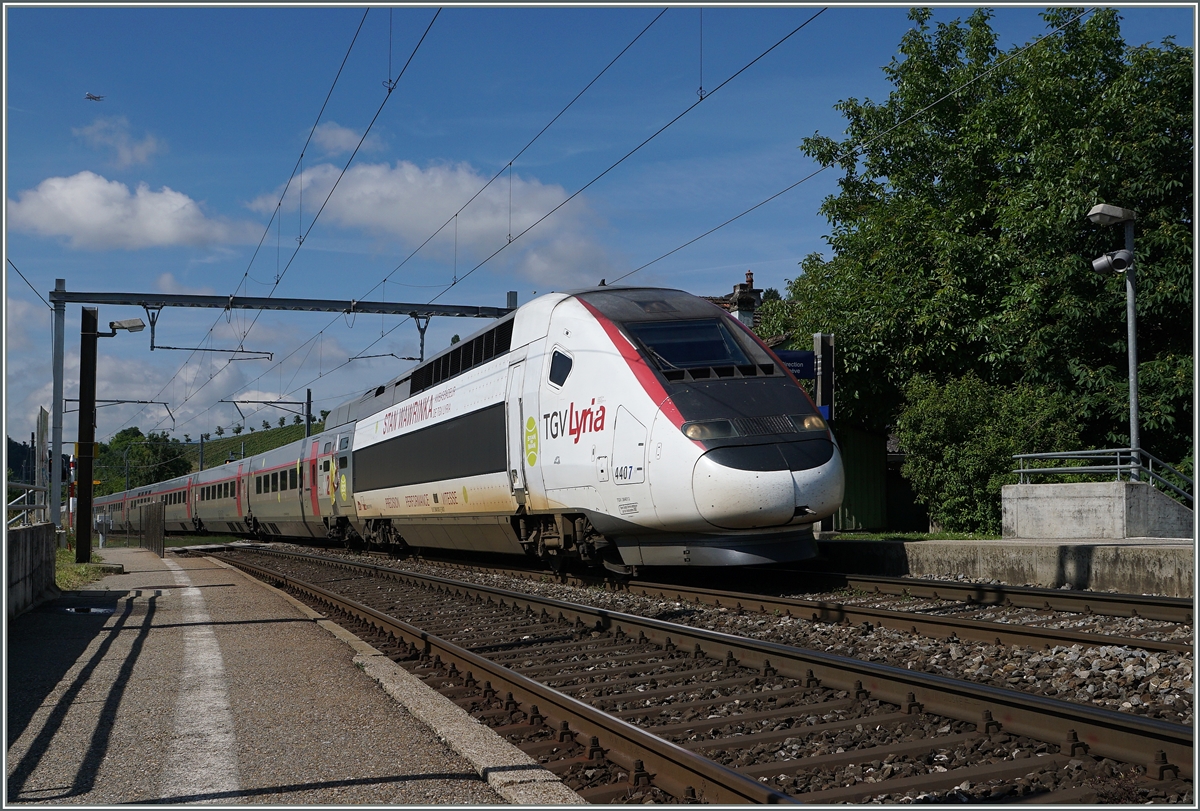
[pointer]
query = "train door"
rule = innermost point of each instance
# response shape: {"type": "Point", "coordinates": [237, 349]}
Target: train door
{"type": "Point", "coordinates": [338, 471]}
{"type": "Point", "coordinates": [310, 483]}
{"type": "Point", "coordinates": [515, 427]}
{"type": "Point", "coordinates": [237, 485]}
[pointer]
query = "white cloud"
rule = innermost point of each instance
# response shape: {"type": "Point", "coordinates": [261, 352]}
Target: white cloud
{"type": "Point", "coordinates": [335, 139]}
{"type": "Point", "coordinates": [24, 321]}
{"type": "Point", "coordinates": [167, 283]}
{"type": "Point", "coordinates": [114, 133]}
{"type": "Point", "coordinates": [95, 213]}
{"type": "Point", "coordinates": [409, 203]}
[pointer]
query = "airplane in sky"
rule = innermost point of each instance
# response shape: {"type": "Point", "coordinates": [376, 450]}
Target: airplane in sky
{"type": "Point", "coordinates": [93, 97]}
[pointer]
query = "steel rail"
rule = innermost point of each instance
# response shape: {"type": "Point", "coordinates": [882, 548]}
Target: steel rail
{"type": "Point", "coordinates": [1075, 727]}
{"type": "Point", "coordinates": [674, 768]}
{"type": "Point", "coordinates": [1147, 606]}
{"type": "Point", "coordinates": [930, 625]}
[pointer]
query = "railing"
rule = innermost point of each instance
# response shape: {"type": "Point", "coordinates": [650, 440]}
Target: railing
{"type": "Point", "coordinates": [1120, 462]}
{"type": "Point", "coordinates": [22, 506]}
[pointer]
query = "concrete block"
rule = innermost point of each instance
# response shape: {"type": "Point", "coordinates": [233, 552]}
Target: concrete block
{"type": "Point", "coordinates": [30, 567]}
{"type": "Point", "coordinates": [1163, 567]}
{"type": "Point", "coordinates": [1093, 510]}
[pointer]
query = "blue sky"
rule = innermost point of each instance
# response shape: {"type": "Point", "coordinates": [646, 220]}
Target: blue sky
{"type": "Point", "coordinates": [168, 184]}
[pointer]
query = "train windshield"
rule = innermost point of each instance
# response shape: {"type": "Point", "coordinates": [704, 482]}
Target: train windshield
{"type": "Point", "coordinates": [688, 344]}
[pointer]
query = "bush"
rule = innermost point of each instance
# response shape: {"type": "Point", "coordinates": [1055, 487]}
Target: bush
{"type": "Point", "coordinates": [960, 437]}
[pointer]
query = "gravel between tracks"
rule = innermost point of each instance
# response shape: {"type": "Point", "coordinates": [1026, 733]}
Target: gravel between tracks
{"type": "Point", "coordinates": [1126, 679]}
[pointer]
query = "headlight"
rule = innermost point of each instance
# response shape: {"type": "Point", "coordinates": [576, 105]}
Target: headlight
{"type": "Point", "coordinates": [809, 422]}
{"type": "Point", "coordinates": [710, 429]}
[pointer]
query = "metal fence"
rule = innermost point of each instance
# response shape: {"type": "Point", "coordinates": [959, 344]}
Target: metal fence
{"type": "Point", "coordinates": [153, 523]}
{"type": "Point", "coordinates": [27, 508]}
{"type": "Point", "coordinates": [1121, 463]}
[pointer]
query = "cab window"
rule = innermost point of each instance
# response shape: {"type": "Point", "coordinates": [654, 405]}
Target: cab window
{"type": "Point", "coordinates": [560, 368]}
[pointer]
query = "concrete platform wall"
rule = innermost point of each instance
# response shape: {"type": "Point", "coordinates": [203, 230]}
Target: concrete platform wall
{"type": "Point", "coordinates": [1131, 568]}
{"type": "Point", "coordinates": [1093, 510]}
{"type": "Point", "coordinates": [30, 566]}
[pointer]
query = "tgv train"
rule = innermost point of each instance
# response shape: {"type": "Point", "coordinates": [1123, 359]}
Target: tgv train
{"type": "Point", "coordinates": [621, 426]}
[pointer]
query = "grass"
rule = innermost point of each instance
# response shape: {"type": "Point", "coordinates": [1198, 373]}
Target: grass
{"type": "Point", "coordinates": [72, 576]}
{"type": "Point", "coordinates": [170, 541]}
{"type": "Point", "coordinates": [916, 536]}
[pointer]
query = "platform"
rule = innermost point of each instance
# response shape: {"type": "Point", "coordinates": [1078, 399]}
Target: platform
{"type": "Point", "coordinates": [184, 681]}
{"type": "Point", "coordinates": [1161, 566]}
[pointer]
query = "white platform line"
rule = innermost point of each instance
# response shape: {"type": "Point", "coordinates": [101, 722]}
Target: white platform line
{"type": "Point", "coordinates": [202, 756]}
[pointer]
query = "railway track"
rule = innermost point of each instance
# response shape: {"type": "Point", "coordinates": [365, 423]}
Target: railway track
{"type": "Point", "coordinates": [927, 620]}
{"type": "Point", "coordinates": [630, 708]}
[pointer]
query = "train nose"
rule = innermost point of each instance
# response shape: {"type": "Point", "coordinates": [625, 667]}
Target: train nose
{"type": "Point", "coordinates": [742, 499]}
{"type": "Point", "coordinates": [732, 494]}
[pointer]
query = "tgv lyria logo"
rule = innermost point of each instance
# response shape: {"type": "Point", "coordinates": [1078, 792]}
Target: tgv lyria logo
{"type": "Point", "coordinates": [531, 441]}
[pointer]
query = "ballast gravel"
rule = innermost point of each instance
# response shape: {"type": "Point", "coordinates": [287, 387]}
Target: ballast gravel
{"type": "Point", "coordinates": [1125, 679]}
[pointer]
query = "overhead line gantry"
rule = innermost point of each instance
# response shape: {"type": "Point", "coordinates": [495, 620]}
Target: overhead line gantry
{"type": "Point", "coordinates": [155, 302]}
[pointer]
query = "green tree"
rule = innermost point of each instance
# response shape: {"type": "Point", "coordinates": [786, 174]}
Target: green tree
{"type": "Point", "coordinates": [266, 425]}
{"type": "Point", "coordinates": [960, 438]}
{"type": "Point", "coordinates": [297, 420]}
{"type": "Point", "coordinates": [148, 458]}
{"type": "Point", "coordinates": [219, 431]}
{"type": "Point", "coordinates": [282, 421]}
{"type": "Point", "coordinates": [237, 429]}
{"type": "Point", "coordinates": [959, 237]}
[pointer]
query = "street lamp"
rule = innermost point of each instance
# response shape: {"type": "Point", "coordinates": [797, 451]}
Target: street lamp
{"type": "Point", "coordinates": [1122, 262]}
{"type": "Point", "coordinates": [85, 457]}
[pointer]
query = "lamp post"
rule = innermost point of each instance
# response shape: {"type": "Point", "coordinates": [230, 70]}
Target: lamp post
{"type": "Point", "coordinates": [1122, 262]}
{"type": "Point", "coordinates": [87, 422]}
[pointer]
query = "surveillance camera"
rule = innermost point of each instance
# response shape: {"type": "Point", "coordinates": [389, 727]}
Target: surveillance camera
{"type": "Point", "coordinates": [1113, 262]}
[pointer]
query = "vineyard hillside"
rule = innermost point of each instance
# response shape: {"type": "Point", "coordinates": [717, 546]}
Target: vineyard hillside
{"type": "Point", "coordinates": [217, 451]}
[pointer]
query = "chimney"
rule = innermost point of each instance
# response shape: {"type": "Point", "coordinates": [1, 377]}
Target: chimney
{"type": "Point", "coordinates": [745, 300]}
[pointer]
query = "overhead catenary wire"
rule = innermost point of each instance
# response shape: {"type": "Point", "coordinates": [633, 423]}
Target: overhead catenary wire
{"type": "Point", "coordinates": [484, 187]}
{"type": "Point", "coordinates": [31, 287]}
{"type": "Point", "coordinates": [276, 211]}
{"type": "Point", "coordinates": [840, 158]}
{"type": "Point", "coordinates": [845, 155]}
{"type": "Point", "coordinates": [614, 165]}
{"type": "Point", "coordinates": [300, 240]}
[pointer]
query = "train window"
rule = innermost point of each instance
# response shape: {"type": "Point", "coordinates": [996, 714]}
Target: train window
{"type": "Point", "coordinates": [325, 465]}
{"type": "Point", "coordinates": [300, 477]}
{"type": "Point", "coordinates": [343, 462]}
{"type": "Point", "coordinates": [328, 447]}
{"type": "Point", "coordinates": [292, 479]}
{"type": "Point", "coordinates": [560, 367]}
{"type": "Point", "coordinates": [345, 443]}
{"type": "Point", "coordinates": [688, 344]}
{"type": "Point", "coordinates": [258, 484]}
{"type": "Point", "coordinates": [275, 482]}
{"type": "Point", "coordinates": [283, 480]}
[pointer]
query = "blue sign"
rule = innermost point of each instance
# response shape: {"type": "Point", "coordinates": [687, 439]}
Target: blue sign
{"type": "Point", "coordinates": [802, 364]}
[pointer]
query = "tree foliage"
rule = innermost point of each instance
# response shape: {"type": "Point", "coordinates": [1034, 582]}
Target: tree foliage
{"type": "Point", "coordinates": [960, 438]}
{"type": "Point", "coordinates": [152, 457]}
{"type": "Point", "coordinates": [959, 237]}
